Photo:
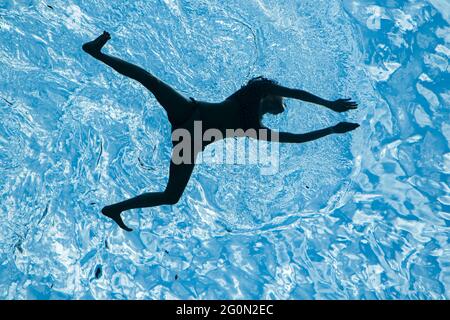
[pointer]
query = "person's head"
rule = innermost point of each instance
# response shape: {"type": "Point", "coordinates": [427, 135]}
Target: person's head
{"type": "Point", "coordinates": [271, 104]}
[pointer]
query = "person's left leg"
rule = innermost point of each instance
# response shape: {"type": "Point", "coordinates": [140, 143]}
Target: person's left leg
{"type": "Point", "coordinates": [177, 106]}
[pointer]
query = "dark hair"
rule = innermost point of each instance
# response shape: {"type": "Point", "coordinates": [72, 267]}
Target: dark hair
{"type": "Point", "coordinates": [249, 96]}
{"type": "Point", "coordinates": [261, 78]}
{"type": "Point", "coordinates": [259, 83]}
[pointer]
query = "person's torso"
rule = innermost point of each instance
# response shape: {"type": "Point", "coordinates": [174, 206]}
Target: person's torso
{"type": "Point", "coordinates": [221, 116]}
{"type": "Point", "coordinates": [230, 118]}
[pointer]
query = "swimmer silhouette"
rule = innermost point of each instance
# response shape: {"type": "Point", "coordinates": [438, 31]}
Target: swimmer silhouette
{"type": "Point", "coordinates": [242, 110]}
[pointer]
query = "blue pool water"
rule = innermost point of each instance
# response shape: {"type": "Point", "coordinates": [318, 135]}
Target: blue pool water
{"type": "Point", "coordinates": [361, 216]}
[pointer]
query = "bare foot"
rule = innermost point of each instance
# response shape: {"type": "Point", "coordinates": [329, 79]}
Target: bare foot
{"type": "Point", "coordinates": [114, 214]}
{"type": "Point", "coordinates": [93, 47]}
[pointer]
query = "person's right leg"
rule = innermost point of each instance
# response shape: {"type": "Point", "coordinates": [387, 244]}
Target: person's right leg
{"type": "Point", "coordinates": [178, 108]}
{"type": "Point", "coordinates": [179, 175]}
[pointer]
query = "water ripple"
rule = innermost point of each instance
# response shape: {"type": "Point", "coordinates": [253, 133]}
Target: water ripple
{"type": "Point", "coordinates": [357, 216]}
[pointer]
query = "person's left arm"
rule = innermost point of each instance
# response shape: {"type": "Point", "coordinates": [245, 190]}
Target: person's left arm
{"type": "Point", "coordinates": [340, 105]}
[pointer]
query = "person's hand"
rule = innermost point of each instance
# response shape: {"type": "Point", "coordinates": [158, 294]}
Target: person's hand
{"type": "Point", "coordinates": [343, 127]}
{"type": "Point", "coordinates": [342, 105]}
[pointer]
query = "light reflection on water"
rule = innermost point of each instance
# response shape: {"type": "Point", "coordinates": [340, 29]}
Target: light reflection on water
{"type": "Point", "coordinates": [356, 216]}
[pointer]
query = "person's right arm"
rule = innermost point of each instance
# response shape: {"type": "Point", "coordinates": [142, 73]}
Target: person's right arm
{"type": "Point", "coordinates": [287, 137]}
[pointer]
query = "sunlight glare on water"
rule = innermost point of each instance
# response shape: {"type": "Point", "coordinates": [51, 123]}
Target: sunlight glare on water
{"type": "Point", "coordinates": [360, 216]}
